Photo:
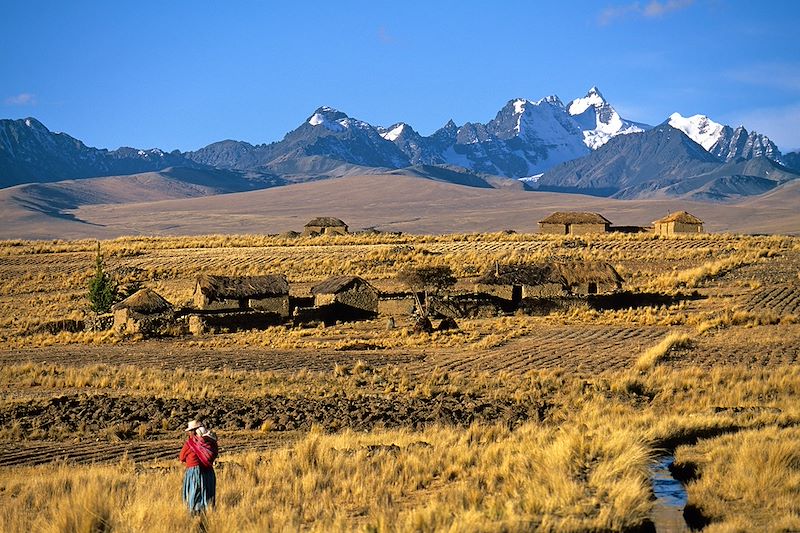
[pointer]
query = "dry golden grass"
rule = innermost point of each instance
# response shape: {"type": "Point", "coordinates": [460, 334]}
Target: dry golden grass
{"type": "Point", "coordinates": [484, 478]}
{"type": "Point", "coordinates": [585, 469]}
{"type": "Point", "coordinates": [653, 355]}
{"type": "Point", "coordinates": [749, 481]}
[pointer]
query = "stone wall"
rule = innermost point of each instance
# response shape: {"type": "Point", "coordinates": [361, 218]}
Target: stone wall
{"type": "Point", "coordinates": [584, 229]}
{"type": "Point", "coordinates": [278, 305]}
{"type": "Point", "coordinates": [553, 229]}
{"type": "Point", "coordinates": [202, 302]}
{"type": "Point", "coordinates": [229, 322]}
{"type": "Point", "coordinates": [543, 290]}
{"type": "Point", "coordinates": [400, 306]}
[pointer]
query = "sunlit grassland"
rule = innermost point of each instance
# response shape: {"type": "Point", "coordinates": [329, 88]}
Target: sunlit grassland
{"type": "Point", "coordinates": [585, 467]}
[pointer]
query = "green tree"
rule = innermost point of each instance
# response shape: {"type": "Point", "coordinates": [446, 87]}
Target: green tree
{"type": "Point", "coordinates": [102, 289]}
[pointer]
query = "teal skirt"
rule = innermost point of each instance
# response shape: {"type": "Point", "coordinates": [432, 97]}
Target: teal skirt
{"type": "Point", "coordinates": [199, 488]}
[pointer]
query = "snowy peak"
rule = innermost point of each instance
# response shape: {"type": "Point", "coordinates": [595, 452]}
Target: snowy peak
{"type": "Point", "coordinates": [593, 98]}
{"type": "Point", "coordinates": [393, 132]}
{"type": "Point", "coordinates": [698, 128]}
{"type": "Point", "coordinates": [329, 118]}
{"type": "Point", "coordinates": [599, 120]}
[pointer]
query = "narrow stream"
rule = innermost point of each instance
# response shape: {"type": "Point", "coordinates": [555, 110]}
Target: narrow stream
{"type": "Point", "coordinates": [667, 515]}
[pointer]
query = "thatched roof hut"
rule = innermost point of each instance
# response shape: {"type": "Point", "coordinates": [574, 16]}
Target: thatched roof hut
{"type": "Point", "coordinates": [326, 225]}
{"type": "Point", "coordinates": [238, 292]}
{"type": "Point", "coordinates": [590, 277]}
{"type": "Point", "coordinates": [350, 292]}
{"type": "Point", "coordinates": [326, 222]}
{"type": "Point", "coordinates": [679, 216]}
{"type": "Point", "coordinates": [679, 222]}
{"type": "Point", "coordinates": [574, 223]}
{"type": "Point", "coordinates": [145, 312]}
{"type": "Point", "coordinates": [238, 287]}
{"type": "Point", "coordinates": [336, 284]}
{"type": "Point", "coordinates": [145, 302]}
{"type": "Point", "coordinates": [574, 217]}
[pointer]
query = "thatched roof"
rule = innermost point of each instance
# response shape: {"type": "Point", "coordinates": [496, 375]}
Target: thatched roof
{"type": "Point", "coordinates": [337, 284]}
{"type": "Point", "coordinates": [236, 287]}
{"type": "Point", "coordinates": [522, 274]}
{"type": "Point", "coordinates": [326, 222]}
{"type": "Point", "coordinates": [574, 217]}
{"type": "Point", "coordinates": [679, 216]}
{"type": "Point", "coordinates": [289, 235]}
{"type": "Point", "coordinates": [589, 272]}
{"type": "Point", "coordinates": [144, 301]}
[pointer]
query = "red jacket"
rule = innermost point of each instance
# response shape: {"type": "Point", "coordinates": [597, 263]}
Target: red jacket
{"type": "Point", "coordinates": [189, 456]}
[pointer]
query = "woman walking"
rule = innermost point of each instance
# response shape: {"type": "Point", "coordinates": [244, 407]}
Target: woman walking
{"type": "Point", "coordinates": [199, 481]}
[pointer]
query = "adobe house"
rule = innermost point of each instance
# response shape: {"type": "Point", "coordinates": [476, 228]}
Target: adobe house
{"type": "Point", "coordinates": [325, 226]}
{"type": "Point", "coordinates": [268, 293]}
{"type": "Point", "coordinates": [515, 282]}
{"type": "Point", "coordinates": [586, 278]}
{"type": "Point", "coordinates": [574, 223]}
{"type": "Point", "coordinates": [145, 311]}
{"type": "Point", "coordinates": [354, 295]}
{"type": "Point", "coordinates": [679, 222]}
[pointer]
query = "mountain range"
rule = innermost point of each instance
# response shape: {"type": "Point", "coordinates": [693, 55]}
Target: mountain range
{"type": "Point", "coordinates": [584, 146]}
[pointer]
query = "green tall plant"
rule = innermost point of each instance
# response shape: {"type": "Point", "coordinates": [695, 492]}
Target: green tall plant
{"type": "Point", "coordinates": [102, 289]}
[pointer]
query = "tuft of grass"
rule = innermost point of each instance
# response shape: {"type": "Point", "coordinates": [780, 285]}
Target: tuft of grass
{"type": "Point", "coordinates": [659, 352]}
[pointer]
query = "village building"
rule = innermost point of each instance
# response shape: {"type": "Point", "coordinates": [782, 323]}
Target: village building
{"type": "Point", "coordinates": [585, 278]}
{"type": "Point", "coordinates": [325, 226]}
{"type": "Point", "coordinates": [574, 223]}
{"type": "Point", "coordinates": [679, 222]}
{"type": "Point", "coordinates": [516, 282]}
{"type": "Point", "coordinates": [145, 312]}
{"type": "Point", "coordinates": [353, 295]}
{"type": "Point", "coordinates": [268, 293]}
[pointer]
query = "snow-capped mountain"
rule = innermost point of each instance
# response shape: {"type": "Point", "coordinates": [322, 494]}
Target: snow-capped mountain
{"type": "Point", "coordinates": [585, 145]}
{"type": "Point", "coordinates": [525, 138]}
{"type": "Point", "coordinates": [723, 141]}
{"type": "Point", "coordinates": [599, 120]}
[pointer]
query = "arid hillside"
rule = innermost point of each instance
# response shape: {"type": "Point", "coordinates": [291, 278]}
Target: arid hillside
{"type": "Point", "coordinates": [386, 202]}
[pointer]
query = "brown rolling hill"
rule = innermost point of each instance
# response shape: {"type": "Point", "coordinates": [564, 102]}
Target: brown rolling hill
{"type": "Point", "coordinates": [386, 202]}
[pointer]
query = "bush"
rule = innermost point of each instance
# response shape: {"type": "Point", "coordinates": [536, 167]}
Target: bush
{"type": "Point", "coordinates": [102, 288]}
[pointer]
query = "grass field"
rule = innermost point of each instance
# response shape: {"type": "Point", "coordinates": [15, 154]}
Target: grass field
{"type": "Point", "coordinates": [510, 423]}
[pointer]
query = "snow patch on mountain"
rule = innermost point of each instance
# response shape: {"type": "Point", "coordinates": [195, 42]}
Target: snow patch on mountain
{"type": "Point", "coordinates": [698, 128]}
{"type": "Point", "coordinates": [394, 132]}
{"type": "Point", "coordinates": [599, 120]}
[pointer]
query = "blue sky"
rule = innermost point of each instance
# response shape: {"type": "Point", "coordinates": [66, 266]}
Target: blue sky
{"type": "Point", "coordinates": [184, 74]}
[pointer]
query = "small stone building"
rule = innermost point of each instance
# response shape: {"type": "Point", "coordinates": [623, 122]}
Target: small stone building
{"type": "Point", "coordinates": [145, 312]}
{"type": "Point", "coordinates": [268, 293]}
{"type": "Point", "coordinates": [574, 223]}
{"type": "Point", "coordinates": [515, 282]}
{"type": "Point", "coordinates": [584, 278]}
{"type": "Point", "coordinates": [350, 293]}
{"type": "Point", "coordinates": [679, 222]}
{"type": "Point", "coordinates": [325, 226]}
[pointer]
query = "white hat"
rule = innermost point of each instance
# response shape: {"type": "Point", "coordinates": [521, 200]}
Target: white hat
{"type": "Point", "coordinates": [193, 424]}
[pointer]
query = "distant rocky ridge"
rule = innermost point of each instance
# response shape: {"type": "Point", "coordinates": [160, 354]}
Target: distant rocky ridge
{"type": "Point", "coordinates": [723, 141]}
{"type": "Point", "coordinates": [584, 146]}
